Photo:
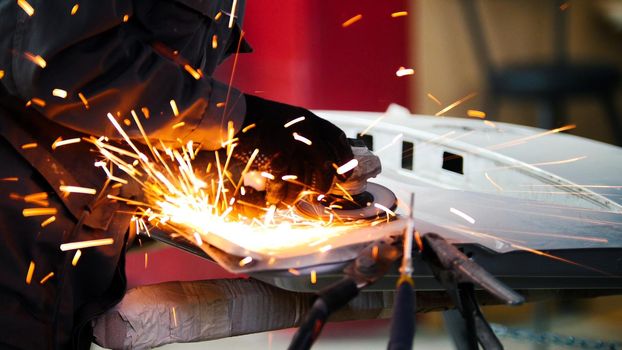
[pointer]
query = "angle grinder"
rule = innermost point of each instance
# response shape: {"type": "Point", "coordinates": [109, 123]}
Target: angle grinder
{"type": "Point", "coordinates": [356, 198]}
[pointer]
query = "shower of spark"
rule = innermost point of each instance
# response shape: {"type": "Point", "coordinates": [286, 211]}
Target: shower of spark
{"type": "Point", "coordinates": [207, 204]}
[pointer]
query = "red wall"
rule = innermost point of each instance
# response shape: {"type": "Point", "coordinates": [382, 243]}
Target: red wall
{"type": "Point", "coordinates": [302, 54]}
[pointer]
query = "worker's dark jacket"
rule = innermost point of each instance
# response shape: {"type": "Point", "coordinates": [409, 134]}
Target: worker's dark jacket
{"type": "Point", "coordinates": [110, 57]}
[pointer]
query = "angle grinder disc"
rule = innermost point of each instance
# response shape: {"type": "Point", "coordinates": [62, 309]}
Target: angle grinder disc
{"type": "Point", "coordinates": [374, 194]}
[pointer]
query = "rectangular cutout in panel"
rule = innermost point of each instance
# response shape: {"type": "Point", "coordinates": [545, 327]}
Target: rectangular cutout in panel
{"type": "Point", "coordinates": [453, 162]}
{"type": "Point", "coordinates": [368, 139]}
{"type": "Point", "coordinates": [408, 155]}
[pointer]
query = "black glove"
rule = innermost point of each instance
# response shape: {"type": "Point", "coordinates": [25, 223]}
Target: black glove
{"type": "Point", "coordinates": [312, 156]}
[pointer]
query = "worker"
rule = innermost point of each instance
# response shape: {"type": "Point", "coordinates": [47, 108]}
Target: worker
{"type": "Point", "coordinates": [64, 66]}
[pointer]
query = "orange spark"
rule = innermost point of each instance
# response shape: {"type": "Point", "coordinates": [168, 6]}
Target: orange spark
{"type": "Point", "coordinates": [178, 125]}
{"type": "Point", "coordinates": [294, 272]}
{"type": "Point", "coordinates": [74, 9]}
{"type": "Point", "coordinates": [220, 104]}
{"type": "Point", "coordinates": [1, 74]}
{"type": "Point", "coordinates": [433, 98]}
{"type": "Point", "coordinates": [36, 197]}
{"type": "Point", "coordinates": [218, 15]}
{"type": "Point", "coordinates": [289, 177]}
{"type": "Point", "coordinates": [48, 221]}
{"type": "Point", "coordinates": [31, 271]}
{"type": "Point", "coordinates": [403, 71]}
{"type": "Point", "coordinates": [146, 260]}
{"type": "Point", "coordinates": [145, 111]}
{"type": "Point", "coordinates": [352, 20]}
{"type": "Point", "coordinates": [196, 75]}
{"type": "Point", "coordinates": [456, 103]}
{"type": "Point", "coordinates": [492, 182]}
{"type": "Point", "coordinates": [214, 41]}
{"type": "Point", "coordinates": [529, 138]}
{"type": "Point", "coordinates": [174, 108]}
{"type": "Point", "coordinates": [174, 316]}
{"type": "Point", "coordinates": [10, 179]}
{"type": "Point", "coordinates": [245, 261]}
{"type": "Point", "coordinates": [302, 139]}
{"type": "Point", "coordinates": [126, 18]}
{"type": "Point", "coordinates": [29, 145]}
{"type": "Point", "coordinates": [26, 7]}
{"type": "Point", "coordinates": [36, 59]}
{"type": "Point", "coordinates": [84, 100]}
{"type": "Point", "coordinates": [76, 257]}
{"type": "Point", "coordinates": [313, 277]}
{"type": "Point", "coordinates": [39, 102]}
{"type": "Point", "coordinates": [60, 142]}
{"type": "Point", "coordinates": [28, 212]}
{"type": "Point", "coordinates": [86, 244]}
{"type": "Point", "coordinates": [418, 240]}
{"type": "Point", "coordinates": [248, 127]}
{"type": "Point", "coordinates": [46, 278]}
{"type": "Point", "coordinates": [77, 189]}
{"type": "Point", "coordinates": [476, 114]}
{"type": "Point", "coordinates": [399, 14]}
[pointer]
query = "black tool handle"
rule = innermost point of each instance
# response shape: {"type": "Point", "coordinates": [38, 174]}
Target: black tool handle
{"type": "Point", "coordinates": [329, 300]}
{"type": "Point", "coordinates": [403, 322]}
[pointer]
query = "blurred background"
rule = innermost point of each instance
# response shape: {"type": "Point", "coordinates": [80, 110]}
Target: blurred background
{"type": "Point", "coordinates": [532, 62]}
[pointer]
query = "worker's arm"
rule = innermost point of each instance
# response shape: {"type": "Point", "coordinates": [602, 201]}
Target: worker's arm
{"type": "Point", "coordinates": [123, 56]}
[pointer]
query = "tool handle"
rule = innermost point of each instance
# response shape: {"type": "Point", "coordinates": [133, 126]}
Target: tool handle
{"type": "Point", "coordinates": [403, 322]}
{"type": "Point", "coordinates": [329, 300]}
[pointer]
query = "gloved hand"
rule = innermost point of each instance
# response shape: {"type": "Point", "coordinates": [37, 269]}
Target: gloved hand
{"type": "Point", "coordinates": [312, 155]}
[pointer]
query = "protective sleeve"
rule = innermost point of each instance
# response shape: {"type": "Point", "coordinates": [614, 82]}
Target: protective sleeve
{"type": "Point", "coordinates": [180, 312]}
{"type": "Point", "coordinates": [114, 56]}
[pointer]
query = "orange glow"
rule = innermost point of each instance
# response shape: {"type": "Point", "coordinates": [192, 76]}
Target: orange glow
{"type": "Point", "coordinates": [476, 114]}
{"type": "Point", "coordinates": [36, 59]}
{"type": "Point", "coordinates": [174, 108]}
{"type": "Point", "coordinates": [352, 20]}
{"type": "Point", "coordinates": [46, 278]}
{"type": "Point", "coordinates": [196, 75]}
{"type": "Point", "coordinates": [26, 7]}
{"type": "Point", "coordinates": [31, 271]}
